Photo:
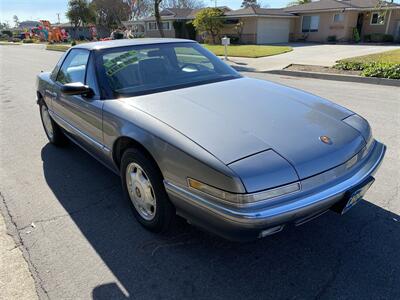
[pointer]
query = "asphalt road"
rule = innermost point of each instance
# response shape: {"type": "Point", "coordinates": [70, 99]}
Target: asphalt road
{"type": "Point", "coordinates": [84, 242]}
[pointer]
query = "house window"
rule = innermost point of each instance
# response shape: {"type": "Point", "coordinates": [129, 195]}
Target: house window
{"type": "Point", "coordinates": [377, 18]}
{"type": "Point", "coordinates": [338, 18]}
{"type": "Point", "coordinates": [310, 24]}
{"type": "Point", "coordinates": [153, 26]}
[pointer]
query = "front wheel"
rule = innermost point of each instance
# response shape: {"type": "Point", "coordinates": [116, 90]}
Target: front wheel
{"type": "Point", "coordinates": [143, 187]}
{"type": "Point", "coordinates": [52, 130]}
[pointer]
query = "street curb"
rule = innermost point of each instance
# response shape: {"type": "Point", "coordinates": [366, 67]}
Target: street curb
{"type": "Point", "coordinates": [15, 234]}
{"type": "Point", "coordinates": [337, 77]}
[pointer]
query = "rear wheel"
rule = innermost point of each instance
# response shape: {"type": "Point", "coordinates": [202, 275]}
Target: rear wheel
{"type": "Point", "coordinates": [143, 187]}
{"type": "Point", "coordinates": [52, 130]}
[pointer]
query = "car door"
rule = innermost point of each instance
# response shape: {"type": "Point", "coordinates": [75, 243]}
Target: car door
{"type": "Point", "coordinates": [80, 115]}
{"type": "Point", "coordinates": [50, 89]}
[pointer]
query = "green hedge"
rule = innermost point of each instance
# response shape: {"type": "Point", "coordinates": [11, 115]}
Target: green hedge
{"type": "Point", "coordinates": [372, 69]}
{"type": "Point", "coordinates": [382, 70]}
{"type": "Point", "coordinates": [349, 65]}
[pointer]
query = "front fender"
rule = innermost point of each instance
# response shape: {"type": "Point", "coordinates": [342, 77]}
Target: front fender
{"type": "Point", "coordinates": [176, 155]}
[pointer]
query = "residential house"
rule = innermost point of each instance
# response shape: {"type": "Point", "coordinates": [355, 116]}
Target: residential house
{"type": "Point", "coordinates": [174, 21]}
{"type": "Point", "coordinates": [259, 25]}
{"type": "Point", "coordinates": [317, 21]}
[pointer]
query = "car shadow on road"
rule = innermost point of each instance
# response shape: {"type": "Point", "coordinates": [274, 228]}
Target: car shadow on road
{"type": "Point", "coordinates": [354, 256]}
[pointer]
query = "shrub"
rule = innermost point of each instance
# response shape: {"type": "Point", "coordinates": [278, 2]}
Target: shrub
{"type": "Point", "coordinates": [367, 38]}
{"type": "Point", "coordinates": [373, 69]}
{"type": "Point", "coordinates": [332, 39]}
{"type": "Point", "coordinates": [385, 64]}
{"type": "Point", "coordinates": [73, 43]}
{"type": "Point", "coordinates": [16, 40]}
{"type": "Point", "coordinates": [377, 37]}
{"type": "Point", "coordinates": [388, 38]}
{"type": "Point", "coordinates": [209, 20]}
{"type": "Point", "coordinates": [7, 32]}
{"type": "Point", "coordinates": [382, 70]}
{"type": "Point", "coordinates": [349, 65]}
{"type": "Point", "coordinates": [356, 35]}
{"type": "Point", "coordinates": [27, 41]}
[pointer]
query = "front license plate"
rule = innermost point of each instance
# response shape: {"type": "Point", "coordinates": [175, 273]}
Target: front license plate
{"type": "Point", "coordinates": [353, 196]}
{"type": "Point", "coordinates": [356, 195]}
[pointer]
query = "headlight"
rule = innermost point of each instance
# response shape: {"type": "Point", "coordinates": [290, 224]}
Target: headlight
{"type": "Point", "coordinates": [242, 199]}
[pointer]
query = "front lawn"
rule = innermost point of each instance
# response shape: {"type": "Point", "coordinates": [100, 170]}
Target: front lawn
{"type": "Point", "coordinates": [392, 56]}
{"type": "Point", "coordinates": [251, 51]}
{"type": "Point", "coordinates": [58, 47]}
{"type": "Point", "coordinates": [8, 43]}
{"type": "Point", "coordinates": [385, 64]}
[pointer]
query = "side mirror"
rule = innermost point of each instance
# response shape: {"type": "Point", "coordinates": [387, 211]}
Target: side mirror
{"type": "Point", "coordinates": [77, 88]}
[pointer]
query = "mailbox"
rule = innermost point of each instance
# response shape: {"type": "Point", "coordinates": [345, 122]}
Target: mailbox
{"type": "Point", "coordinates": [226, 41]}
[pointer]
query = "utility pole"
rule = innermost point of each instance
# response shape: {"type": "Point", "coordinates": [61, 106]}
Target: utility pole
{"type": "Point", "coordinates": [215, 3]}
{"type": "Point", "coordinates": [58, 17]}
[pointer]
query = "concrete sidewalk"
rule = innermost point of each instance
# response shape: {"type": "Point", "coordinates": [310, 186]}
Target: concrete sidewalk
{"type": "Point", "coordinates": [16, 281]}
{"type": "Point", "coordinates": [307, 54]}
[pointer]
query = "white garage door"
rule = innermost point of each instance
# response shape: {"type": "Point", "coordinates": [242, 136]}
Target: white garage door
{"type": "Point", "coordinates": [273, 30]}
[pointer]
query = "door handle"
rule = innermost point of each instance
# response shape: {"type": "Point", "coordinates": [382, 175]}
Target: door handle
{"type": "Point", "coordinates": [52, 94]}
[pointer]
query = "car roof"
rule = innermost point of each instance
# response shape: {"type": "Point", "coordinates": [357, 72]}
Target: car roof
{"type": "Point", "coordinates": [129, 42]}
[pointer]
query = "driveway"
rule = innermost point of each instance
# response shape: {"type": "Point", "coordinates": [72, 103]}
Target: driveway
{"type": "Point", "coordinates": [81, 241]}
{"type": "Point", "coordinates": [307, 54]}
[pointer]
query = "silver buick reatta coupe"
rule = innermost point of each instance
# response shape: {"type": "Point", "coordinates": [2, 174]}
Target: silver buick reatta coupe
{"type": "Point", "coordinates": [188, 135]}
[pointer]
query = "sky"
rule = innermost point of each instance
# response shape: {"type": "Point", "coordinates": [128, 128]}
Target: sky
{"type": "Point", "coordinates": [48, 9]}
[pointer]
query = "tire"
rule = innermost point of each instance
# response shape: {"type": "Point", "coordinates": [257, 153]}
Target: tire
{"type": "Point", "coordinates": [53, 132]}
{"type": "Point", "coordinates": [151, 205]}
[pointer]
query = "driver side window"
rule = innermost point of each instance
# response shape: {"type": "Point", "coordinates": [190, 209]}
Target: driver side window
{"type": "Point", "coordinates": [74, 67]}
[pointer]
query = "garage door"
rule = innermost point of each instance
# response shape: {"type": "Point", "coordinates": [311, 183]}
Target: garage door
{"type": "Point", "coordinates": [273, 30]}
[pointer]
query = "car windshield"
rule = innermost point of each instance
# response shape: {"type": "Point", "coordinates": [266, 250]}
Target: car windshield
{"type": "Point", "coordinates": [151, 68]}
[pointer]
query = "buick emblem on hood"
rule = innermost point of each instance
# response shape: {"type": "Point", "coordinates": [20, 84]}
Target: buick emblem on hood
{"type": "Point", "coordinates": [325, 139]}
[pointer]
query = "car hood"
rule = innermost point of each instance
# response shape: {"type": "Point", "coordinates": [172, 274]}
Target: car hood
{"type": "Point", "coordinates": [238, 118]}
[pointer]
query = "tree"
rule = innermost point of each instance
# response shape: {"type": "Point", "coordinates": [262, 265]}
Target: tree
{"type": "Point", "coordinates": [239, 29]}
{"type": "Point", "coordinates": [183, 4]}
{"type": "Point", "coordinates": [4, 25]}
{"type": "Point", "coordinates": [250, 3]}
{"type": "Point", "coordinates": [80, 13]}
{"type": "Point", "coordinates": [299, 2]}
{"type": "Point", "coordinates": [139, 8]}
{"type": "Point", "coordinates": [158, 17]}
{"type": "Point", "coordinates": [16, 21]}
{"type": "Point", "coordinates": [111, 13]}
{"type": "Point", "coordinates": [209, 20]}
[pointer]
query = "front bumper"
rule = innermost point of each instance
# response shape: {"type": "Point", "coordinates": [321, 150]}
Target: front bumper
{"type": "Point", "coordinates": [247, 223]}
